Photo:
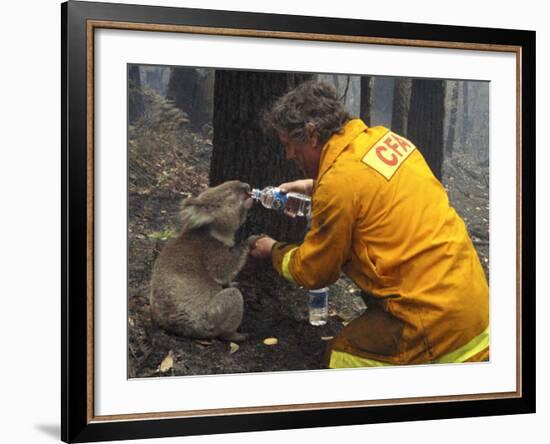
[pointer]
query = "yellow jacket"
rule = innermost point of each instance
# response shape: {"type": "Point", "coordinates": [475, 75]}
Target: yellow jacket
{"type": "Point", "coordinates": [380, 216]}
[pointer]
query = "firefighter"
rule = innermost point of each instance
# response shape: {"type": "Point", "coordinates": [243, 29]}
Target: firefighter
{"type": "Point", "coordinates": [380, 216]}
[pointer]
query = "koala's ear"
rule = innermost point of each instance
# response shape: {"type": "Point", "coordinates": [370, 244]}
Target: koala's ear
{"type": "Point", "coordinates": [194, 215]}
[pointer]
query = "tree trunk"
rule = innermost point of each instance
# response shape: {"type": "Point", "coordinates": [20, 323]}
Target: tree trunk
{"type": "Point", "coordinates": [367, 89]}
{"type": "Point", "coordinates": [425, 125]}
{"type": "Point", "coordinates": [480, 124]}
{"type": "Point", "coordinates": [203, 97]}
{"type": "Point", "coordinates": [465, 117]}
{"type": "Point", "coordinates": [336, 81]}
{"type": "Point", "coordinates": [241, 150]}
{"type": "Point", "coordinates": [191, 89]}
{"type": "Point", "coordinates": [344, 95]}
{"type": "Point", "coordinates": [181, 88]}
{"type": "Point", "coordinates": [401, 104]}
{"type": "Point", "coordinates": [453, 111]}
{"type": "Point", "coordinates": [135, 98]}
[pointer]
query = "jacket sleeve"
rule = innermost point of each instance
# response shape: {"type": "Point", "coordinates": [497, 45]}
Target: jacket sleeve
{"type": "Point", "coordinates": [327, 245]}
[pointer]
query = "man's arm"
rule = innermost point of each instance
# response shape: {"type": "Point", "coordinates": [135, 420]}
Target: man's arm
{"type": "Point", "coordinates": [327, 246]}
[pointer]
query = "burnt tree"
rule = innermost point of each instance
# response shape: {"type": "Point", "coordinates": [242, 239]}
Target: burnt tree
{"type": "Point", "coordinates": [135, 98]}
{"type": "Point", "coordinates": [203, 102]}
{"type": "Point", "coordinates": [425, 121]}
{"type": "Point", "coordinates": [465, 132]}
{"type": "Point", "coordinates": [191, 90]}
{"type": "Point", "coordinates": [241, 150]}
{"type": "Point", "coordinates": [401, 103]}
{"type": "Point", "coordinates": [181, 88]}
{"type": "Point", "coordinates": [453, 111]}
{"type": "Point", "coordinates": [367, 90]}
{"type": "Point", "coordinates": [344, 96]}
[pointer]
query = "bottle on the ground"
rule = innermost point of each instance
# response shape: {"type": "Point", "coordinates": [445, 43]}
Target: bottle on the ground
{"type": "Point", "coordinates": [318, 306]}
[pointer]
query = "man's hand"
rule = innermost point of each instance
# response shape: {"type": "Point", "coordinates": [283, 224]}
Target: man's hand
{"type": "Point", "coordinates": [251, 240]}
{"type": "Point", "coordinates": [304, 186]}
{"type": "Point", "coordinates": [261, 248]}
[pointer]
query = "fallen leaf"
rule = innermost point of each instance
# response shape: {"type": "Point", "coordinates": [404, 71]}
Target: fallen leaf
{"type": "Point", "coordinates": [344, 323]}
{"type": "Point", "coordinates": [233, 347]}
{"type": "Point", "coordinates": [326, 338]}
{"type": "Point", "coordinates": [271, 341]}
{"type": "Point", "coordinates": [332, 313]}
{"type": "Point", "coordinates": [203, 342]}
{"type": "Point", "coordinates": [167, 363]}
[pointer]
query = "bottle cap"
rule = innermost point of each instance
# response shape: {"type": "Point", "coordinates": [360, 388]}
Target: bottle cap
{"type": "Point", "coordinates": [319, 290]}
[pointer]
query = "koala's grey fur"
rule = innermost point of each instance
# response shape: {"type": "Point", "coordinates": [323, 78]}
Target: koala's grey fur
{"type": "Point", "coordinates": [190, 287]}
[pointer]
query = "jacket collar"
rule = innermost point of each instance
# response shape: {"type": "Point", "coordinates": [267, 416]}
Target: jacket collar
{"type": "Point", "coordinates": [338, 143]}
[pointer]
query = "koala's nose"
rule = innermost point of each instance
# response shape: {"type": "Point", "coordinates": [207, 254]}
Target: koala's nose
{"type": "Point", "coordinates": [245, 187]}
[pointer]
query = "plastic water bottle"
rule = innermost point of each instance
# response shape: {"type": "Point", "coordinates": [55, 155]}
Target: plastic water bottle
{"type": "Point", "coordinates": [318, 306]}
{"type": "Point", "coordinates": [294, 204]}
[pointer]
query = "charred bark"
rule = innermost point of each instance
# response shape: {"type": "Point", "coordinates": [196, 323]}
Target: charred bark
{"type": "Point", "coordinates": [425, 125]}
{"type": "Point", "coordinates": [135, 98]}
{"type": "Point", "coordinates": [367, 90]}
{"type": "Point", "coordinates": [401, 104]}
{"type": "Point", "coordinates": [191, 89]}
{"type": "Point", "coordinates": [453, 111]}
{"type": "Point", "coordinates": [242, 151]}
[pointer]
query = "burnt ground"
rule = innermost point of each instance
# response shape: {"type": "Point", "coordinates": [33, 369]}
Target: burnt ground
{"type": "Point", "coordinates": [273, 308]}
{"type": "Point", "coordinates": [467, 184]}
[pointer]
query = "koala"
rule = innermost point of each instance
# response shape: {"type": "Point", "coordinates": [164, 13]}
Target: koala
{"type": "Point", "coordinates": [191, 286]}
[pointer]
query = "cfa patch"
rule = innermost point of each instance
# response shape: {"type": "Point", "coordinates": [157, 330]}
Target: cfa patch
{"type": "Point", "coordinates": [387, 155]}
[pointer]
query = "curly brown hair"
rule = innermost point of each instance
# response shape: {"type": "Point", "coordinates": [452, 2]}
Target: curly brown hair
{"type": "Point", "coordinates": [311, 104]}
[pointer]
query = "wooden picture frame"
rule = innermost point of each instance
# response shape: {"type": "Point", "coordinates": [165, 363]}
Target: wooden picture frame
{"type": "Point", "coordinates": [80, 20]}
